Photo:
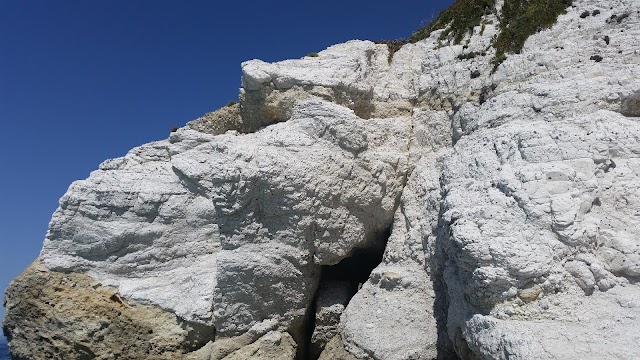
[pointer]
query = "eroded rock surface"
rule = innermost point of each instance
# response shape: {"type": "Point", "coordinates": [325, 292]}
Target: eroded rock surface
{"type": "Point", "coordinates": [139, 225]}
{"type": "Point", "coordinates": [334, 350]}
{"type": "Point", "coordinates": [293, 197]}
{"type": "Point", "coordinates": [399, 298]}
{"type": "Point", "coordinates": [510, 194]}
{"type": "Point", "coordinates": [53, 315]}
{"type": "Point", "coordinates": [536, 221]}
{"type": "Point", "coordinates": [220, 121]}
{"type": "Point", "coordinates": [272, 346]}
{"type": "Point", "coordinates": [332, 298]}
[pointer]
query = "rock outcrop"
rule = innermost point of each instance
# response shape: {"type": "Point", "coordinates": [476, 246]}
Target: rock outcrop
{"type": "Point", "coordinates": [53, 315]}
{"type": "Point", "coordinates": [432, 201]}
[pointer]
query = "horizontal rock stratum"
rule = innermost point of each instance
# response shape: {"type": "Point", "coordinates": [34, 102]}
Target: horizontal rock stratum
{"type": "Point", "coordinates": [434, 200]}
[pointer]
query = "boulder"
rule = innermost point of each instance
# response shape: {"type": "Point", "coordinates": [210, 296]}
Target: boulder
{"type": "Point", "coordinates": [53, 315]}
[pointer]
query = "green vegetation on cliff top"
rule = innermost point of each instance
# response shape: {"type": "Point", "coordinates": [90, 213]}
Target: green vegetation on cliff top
{"type": "Point", "coordinates": [519, 19]}
{"type": "Point", "coordinates": [457, 20]}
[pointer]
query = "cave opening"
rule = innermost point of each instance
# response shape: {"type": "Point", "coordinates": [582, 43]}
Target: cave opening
{"type": "Point", "coordinates": [338, 284]}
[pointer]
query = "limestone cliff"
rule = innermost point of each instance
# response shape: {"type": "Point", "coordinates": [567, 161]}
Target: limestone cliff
{"type": "Point", "coordinates": [454, 195]}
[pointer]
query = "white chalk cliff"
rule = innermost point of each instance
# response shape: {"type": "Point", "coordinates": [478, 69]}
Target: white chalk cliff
{"type": "Point", "coordinates": [360, 204]}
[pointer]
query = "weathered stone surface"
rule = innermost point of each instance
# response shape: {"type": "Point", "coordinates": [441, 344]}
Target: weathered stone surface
{"type": "Point", "coordinates": [219, 121]}
{"type": "Point", "coordinates": [222, 347]}
{"type": "Point", "coordinates": [512, 195]}
{"type": "Point", "coordinates": [288, 200]}
{"type": "Point", "coordinates": [272, 346]}
{"type": "Point", "coordinates": [598, 327]}
{"type": "Point", "coordinates": [53, 315]}
{"type": "Point", "coordinates": [334, 350]}
{"type": "Point", "coordinates": [540, 252]}
{"type": "Point", "coordinates": [331, 299]}
{"type": "Point", "coordinates": [139, 225]}
{"type": "Point", "coordinates": [523, 198]}
{"type": "Point", "coordinates": [341, 74]}
{"type": "Point", "coordinates": [399, 298]}
{"type": "Point", "coordinates": [293, 197]}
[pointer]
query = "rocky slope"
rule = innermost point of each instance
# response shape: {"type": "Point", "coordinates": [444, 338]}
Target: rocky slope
{"type": "Point", "coordinates": [427, 203]}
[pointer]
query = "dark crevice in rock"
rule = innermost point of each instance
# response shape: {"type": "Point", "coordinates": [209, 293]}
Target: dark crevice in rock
{"type": "Point", "coordinates": [441, 303]}
{"type": "Point", "coordinates": [308, 331]}
{"type": "Point", "coordinates": [338, 284]}
{"type": "Point", "coordinates": [457, 129]}
{"type": "Point", "coordinates": [486, 93]}
{"type": "Point", "coordinates": [358, 266]}
{"type": "Point", "coordinates": [198, 335]}
{"type": "Point", "coordinates": [189, 183]}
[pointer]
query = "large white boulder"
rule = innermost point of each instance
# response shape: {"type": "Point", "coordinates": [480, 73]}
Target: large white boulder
{"type": "Point", "coordinates": [138, 224]}
{"type": "Point", "coordinates": [293, 197]}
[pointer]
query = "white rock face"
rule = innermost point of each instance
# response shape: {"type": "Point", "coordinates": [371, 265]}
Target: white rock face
{"type": "Point", "coordinates": [265, 210]}
{"type": "Point", "coordinates": [399, 298]}
{"type": "Point", "coordinates": [598, 327]}
{"type": "Point", "coordinates": [513, 198]}
{"type": "Point", "coordinates": [348, 64]}
{"type": "Point", "coordinates": [535, 215]}
{"type": "Point", "coordinates": [539, 233]}
{"type": "Point", "coordinates": [138, 224]}
{"type": "Point", "coordinates": [293, 197]}
{"type": "Point", "coordinates": [343, 74]}
{"type": "Point", "coordinates": [528, 189]}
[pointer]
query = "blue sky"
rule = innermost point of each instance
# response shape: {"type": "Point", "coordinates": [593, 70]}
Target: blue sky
{"type": "Point", "coordinates": [82, 81]}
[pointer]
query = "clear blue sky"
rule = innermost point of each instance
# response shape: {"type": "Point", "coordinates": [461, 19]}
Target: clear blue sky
{"type": "Point", "coordinates": [82, 81]}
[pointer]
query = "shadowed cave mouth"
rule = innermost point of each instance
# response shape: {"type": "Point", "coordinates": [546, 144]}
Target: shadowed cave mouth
{"type": "Point", "coordinates": [342, 281]}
